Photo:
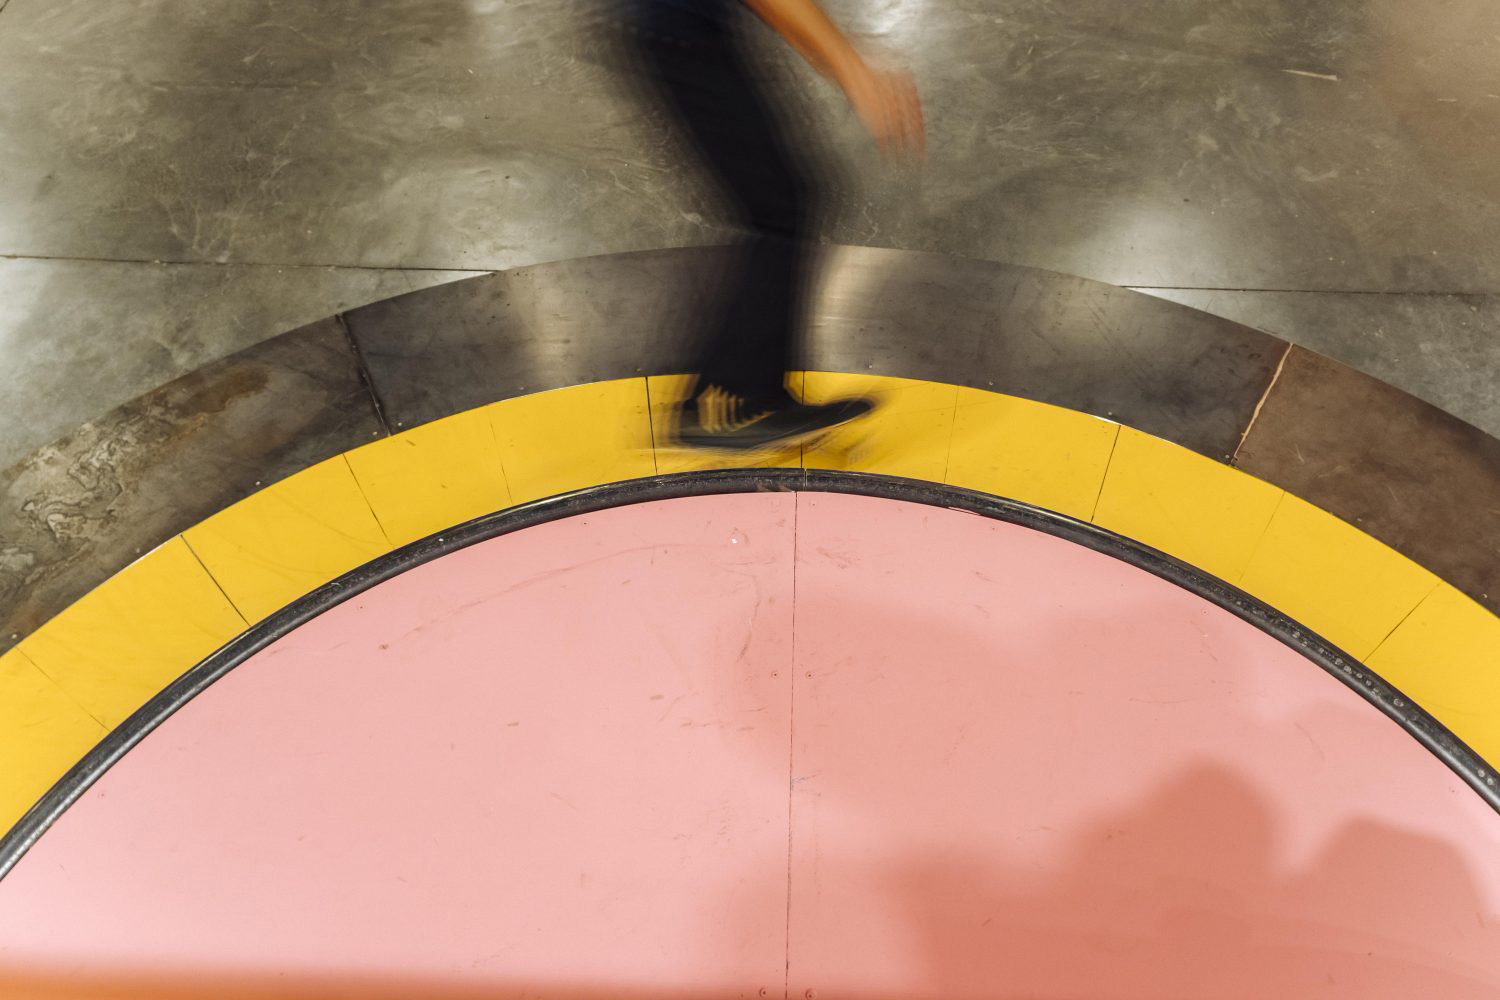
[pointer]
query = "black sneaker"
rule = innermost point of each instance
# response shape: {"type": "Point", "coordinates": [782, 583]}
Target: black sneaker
{"type": "Point", "coordinates": [720, 421]}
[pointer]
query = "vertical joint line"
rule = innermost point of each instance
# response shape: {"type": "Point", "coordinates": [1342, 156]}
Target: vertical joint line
{"type": "Point", "coordinates": [791, 746]}
{"type": "Point", "coordinates": [1260, 539]}
{"type": "Point", "coordinates": [1255, 415]}
{"type": "Point", "coordinates": [365, 378]}
{"type": "Point", "coordinates": [237, 610]}
{"type": "Point", "coordinates": [1404, 618]}
{"type": "Point", "coordinates": [21, 655]}
{"type": "Point", "coordinates": [1109, 463]}
{"type": "Point", "coordinates": [952, 435]}
{"type": "Point", "coordinates": [500, 454]}
{"type": "Point", "coordinates": [651, 427]}
{"type": "Point", "coordinates": [374, 515]}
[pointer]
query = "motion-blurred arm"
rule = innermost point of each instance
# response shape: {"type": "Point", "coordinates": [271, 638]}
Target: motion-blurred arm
{"type": "Point", "coordinates": [884, 98]}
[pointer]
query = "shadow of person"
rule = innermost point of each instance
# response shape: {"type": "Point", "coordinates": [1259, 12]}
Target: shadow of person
{"type": "Point", "coordinates": [1181, 896]}
{"type": "Point", "coordinates": [1040, 797]}
{"type": "Point", "coordinates": [1009, 785]}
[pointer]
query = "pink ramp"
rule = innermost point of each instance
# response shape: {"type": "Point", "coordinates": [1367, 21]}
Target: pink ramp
{"type": "Point", "coordinates": [768, 745]}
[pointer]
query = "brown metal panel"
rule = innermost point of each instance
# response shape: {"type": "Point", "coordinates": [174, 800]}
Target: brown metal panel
{"type": "Point", "coordinates": [78, 511]}
{"type": "Point", "coordinates": [1418, 479]}
{"type": "Point", "coordinates": [1163, 368]}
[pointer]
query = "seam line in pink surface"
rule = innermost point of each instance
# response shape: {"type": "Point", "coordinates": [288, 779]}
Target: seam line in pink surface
{"type": "Point", "coordinates": [791, 747]}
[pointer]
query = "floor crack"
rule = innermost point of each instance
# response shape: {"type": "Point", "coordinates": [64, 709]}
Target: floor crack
{"type": "Point", "coordinates": [1255, 414]}
{"type": "Point", "coordinates": [365, 378]}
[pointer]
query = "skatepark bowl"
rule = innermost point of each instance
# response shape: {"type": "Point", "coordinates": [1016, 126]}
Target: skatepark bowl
{"type": "Point", "coordinates": [765, 734]}
{"type": "Point", "coordinates": [367, 634]}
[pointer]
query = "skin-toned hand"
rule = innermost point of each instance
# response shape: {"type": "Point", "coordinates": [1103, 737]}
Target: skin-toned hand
{"type": "Point", "coordinates": [884, 98]}
{"type": "Point", "coordinates": [886, 101]}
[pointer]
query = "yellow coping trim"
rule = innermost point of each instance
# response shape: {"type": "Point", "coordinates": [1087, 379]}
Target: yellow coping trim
{"type": "Point", "coordinates": [43, 732]}
{"type": "Point", "coordinates": [135, 633]}
{"type": "Point", "coordinates": [289, 539]}
{"type": "Point", "coordinates": [1193, 508]}
{"type": "Point", "coordinates": [1335, 579]}
{"type": "Point", "coordinates": [568, 439]}
{"type": "Point", "coordinates": [1042, 455]}
{"type": "Point", "coordinates": [95, 663]}
{"type": "Point", "coordinates": [433, 477]}
{"type": "Point", "coordinates": [1445, 656]}
{"type": "Point", "coordinates": [909, 434]}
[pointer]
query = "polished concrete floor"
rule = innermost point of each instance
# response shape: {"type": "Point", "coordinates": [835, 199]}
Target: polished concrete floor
{"type": "Point", "coordinates": [181, 179]}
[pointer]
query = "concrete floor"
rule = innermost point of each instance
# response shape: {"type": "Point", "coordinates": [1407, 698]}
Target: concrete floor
{"type": "Point", "coordinates": [182, 178]}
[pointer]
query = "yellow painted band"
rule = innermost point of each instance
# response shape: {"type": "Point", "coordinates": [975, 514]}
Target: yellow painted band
{"type": "Point", "coordinates": [88, 669]}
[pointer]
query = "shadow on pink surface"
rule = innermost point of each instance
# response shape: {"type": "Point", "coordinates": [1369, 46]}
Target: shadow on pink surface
{"type": "Point", "coordinates": [1235, 836]}
{"type": "Point", "coordinates": [1179, 897]}
{"type": "Point", "coordinates": [1064, 781]}
{"type": "Point", "coordinates": [1182, 897]}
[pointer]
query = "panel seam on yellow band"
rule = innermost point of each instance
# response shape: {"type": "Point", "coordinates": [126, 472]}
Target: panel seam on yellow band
{"type": "Point", "coordinates": [210, 573]}
{"type": "Point", "coordinates": [651, 428]}
{"type": "Point", "coordinates": [366, 498]}
{"type": "Point", "coordinates": [1109, 461]}
{"type": "Point", "coordinates": [952, 433]}
{"type": "Point", "coordinates": [499, 455]}
{"type": "Point", "coordinates": [1265, 530]}
{"type": "Point", "coordinates": [20, 653]}
{"type": "Point", "coordinates": [1404, 619]}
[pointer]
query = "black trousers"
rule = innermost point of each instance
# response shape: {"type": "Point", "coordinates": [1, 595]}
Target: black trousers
{"type": "Point", "coordinates": [696, 60]}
